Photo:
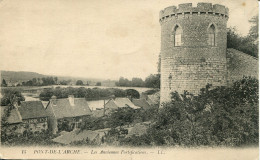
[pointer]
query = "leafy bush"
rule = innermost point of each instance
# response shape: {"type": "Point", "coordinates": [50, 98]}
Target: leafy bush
{"type": "Point", "coordinates": [10, 95]}
{"type": "Point", "coordinates": [221, 116]}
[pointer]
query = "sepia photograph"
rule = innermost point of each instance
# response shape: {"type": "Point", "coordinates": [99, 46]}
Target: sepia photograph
{"type": "Point", "coordinates": [129, 79]}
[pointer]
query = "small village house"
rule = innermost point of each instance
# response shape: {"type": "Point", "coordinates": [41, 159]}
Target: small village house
{"type": "Point", "coordinates": [141, 103]}
{"type": "Point", "coordinates": [116, 103]}
{"type": "Point", "coordinates": [97, 107]}
{"type": "Point", "coordinates": [34, 116]}
{"type": "Point", "coordinates": [96, 104]}
{"type": "Point", "coordinates": [67, 113]}
{"type": "Point", "coordinates": [152, 99]}
{"type": "Point", "coordinates": [28, 116]}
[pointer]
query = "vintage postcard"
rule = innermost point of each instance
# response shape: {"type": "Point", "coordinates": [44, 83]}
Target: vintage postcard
{"type": "Point", "coordinates": [131, 79]}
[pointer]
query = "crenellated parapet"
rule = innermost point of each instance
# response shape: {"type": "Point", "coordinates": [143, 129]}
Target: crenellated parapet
{"type": "Point", "coordinates": [186, 8]}
{"type": "Point", "coordinates": [193, 48]}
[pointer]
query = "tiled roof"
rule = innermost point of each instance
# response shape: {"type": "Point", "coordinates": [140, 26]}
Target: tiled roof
{"type": "Point", "coordinates": [62, 108]}
{"type": "Point", "coordinates": [76, 135]}
{"type": "Point", "coordinates": [154, 98]}
{"type": "Point", "coordinates": [32, 109]}
{"type": "Point", "coordinates": [14, 116]}
{"type": "Point", "coordinates": [141, 103]}
{"type": "Point", "coordinates": [93, 105]}
{"type": "Point", "coordinates": [125, 102]}
{"type": "Point", "coordinates": [111, 104]}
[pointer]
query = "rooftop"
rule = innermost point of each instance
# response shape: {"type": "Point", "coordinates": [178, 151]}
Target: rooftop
{"type": "Point", "coordinates": [125, 102]}
{"type": "Point", "coordinates": [76, 135]}
{"type": "Point", "coordinates": [93, 105]}
{"type": "Point", "coordinates": [32, 109]}
{"type": "Point", "coordinates": [14, 116]}
{"type": "Point", "coordinates": [62, 107]}
{"type": "Point", "coordinates": [141, 103]}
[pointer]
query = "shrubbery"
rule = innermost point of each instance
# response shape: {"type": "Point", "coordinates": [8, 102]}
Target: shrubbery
{"type": "Point", "coordinates": [11, 95]}
{"type": "Point", "coordinates": [225, 116]}
{"type": "Point", "coordinates": [28, 138]}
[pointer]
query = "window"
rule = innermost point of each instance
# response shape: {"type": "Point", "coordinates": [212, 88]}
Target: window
{"type": "Point", "coordinates": [177, 36]}
{"type": "Point", "coordinates": [211, 35]}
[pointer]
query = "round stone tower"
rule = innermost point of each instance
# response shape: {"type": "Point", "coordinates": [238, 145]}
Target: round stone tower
{"type": "Point", "coordinates": [193, 48]}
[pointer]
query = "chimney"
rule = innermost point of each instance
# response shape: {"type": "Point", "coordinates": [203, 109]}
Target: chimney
{"type": "Point", "coordinates": [54, 100]}
{"type": "Point", "coordinates": [15, 104]}
{"type": "Point", "coordinates": [71, 100]}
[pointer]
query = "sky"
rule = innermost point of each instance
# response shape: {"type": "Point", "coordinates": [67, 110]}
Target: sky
{"type": "Point", "coordinates": [94, 39]}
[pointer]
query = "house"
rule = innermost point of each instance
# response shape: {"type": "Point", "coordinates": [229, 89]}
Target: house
{"type": "Point", "coordinates": [116, 103]}
{"type": "Point", "coordinates": [30, 116]}
{"type": "Point", "coordinates": [67, 113]}
{"type": "Point", "coordinates": [96, 104]}
{"type": "Point", "coordinates": [34, 116]}
{"type": "Point", "coordinates": [77, 135]}
{"type": "Point", "coordinates": [141, 103]}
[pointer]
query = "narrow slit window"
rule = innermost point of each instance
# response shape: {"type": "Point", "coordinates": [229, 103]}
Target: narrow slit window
{"type": "Point", "coordinates": [211, 35]}
{"type": "Point", "coordinates": [177, 36]}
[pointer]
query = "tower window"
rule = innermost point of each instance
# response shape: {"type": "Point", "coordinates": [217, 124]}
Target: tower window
{"type": "Point", "coordinates": [211, 35]}
{"type": "Point", "coordinates": [177, 36]}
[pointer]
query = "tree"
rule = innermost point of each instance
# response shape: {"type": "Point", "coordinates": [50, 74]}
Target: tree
{"type": "Point", "coordinates": [253, 32]}
{"type": "Point", "coordinates": [56, 80]}
{"type": "Point", "coordinates": [64, 82]}
{"type": "Point", "coordinates": [153, 81]}
{"type": "Point", "coordinates": [29, 83]}
{"type": "Point", "coordinates": [79, 83]}
{"type": "Point", "coordinates": [98, 84]}
{"type": "Point", "coordinates": [247, 44]}
{"type": "Point", "coordinates": [124, 82]}
{"type": "Point", "coordinates": [3, 84]}
{"type": "Point", "coordinates": [34, 81]}
{"type": "Point", "coordinates": [220, 116]}
{"type": "Point", "coordinates": [132, 93]}
{"type": "Point", "coordinates": [11, 95]}
{"type": "Point", "coordinates": [122, 116]}
{"type": "Point", "coordinates": [137, 82]}
{"type": "Point", "coordinates": [46, 94]}
{"type": "Point", "coordinates": [88, 93]}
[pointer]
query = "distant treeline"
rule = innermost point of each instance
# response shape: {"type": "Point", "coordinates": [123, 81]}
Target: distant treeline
{"type": "Point", "coordinates": [44, 81]}
{"type": "Point", "coordinates": [152, 81]}
{"type": "Point", "coordinates": [88, 93]}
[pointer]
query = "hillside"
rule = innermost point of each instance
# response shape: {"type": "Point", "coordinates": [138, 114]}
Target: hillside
{"type": "Point", "coordinates": [19, 76]}
{"type": "Point", "coordinates": [22, 76]}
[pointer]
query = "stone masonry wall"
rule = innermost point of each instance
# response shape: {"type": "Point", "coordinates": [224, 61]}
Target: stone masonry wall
{"type": "Point", "coordinates": [240, 64]}
{"type": "Point", "coordinates": [193, 64]}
